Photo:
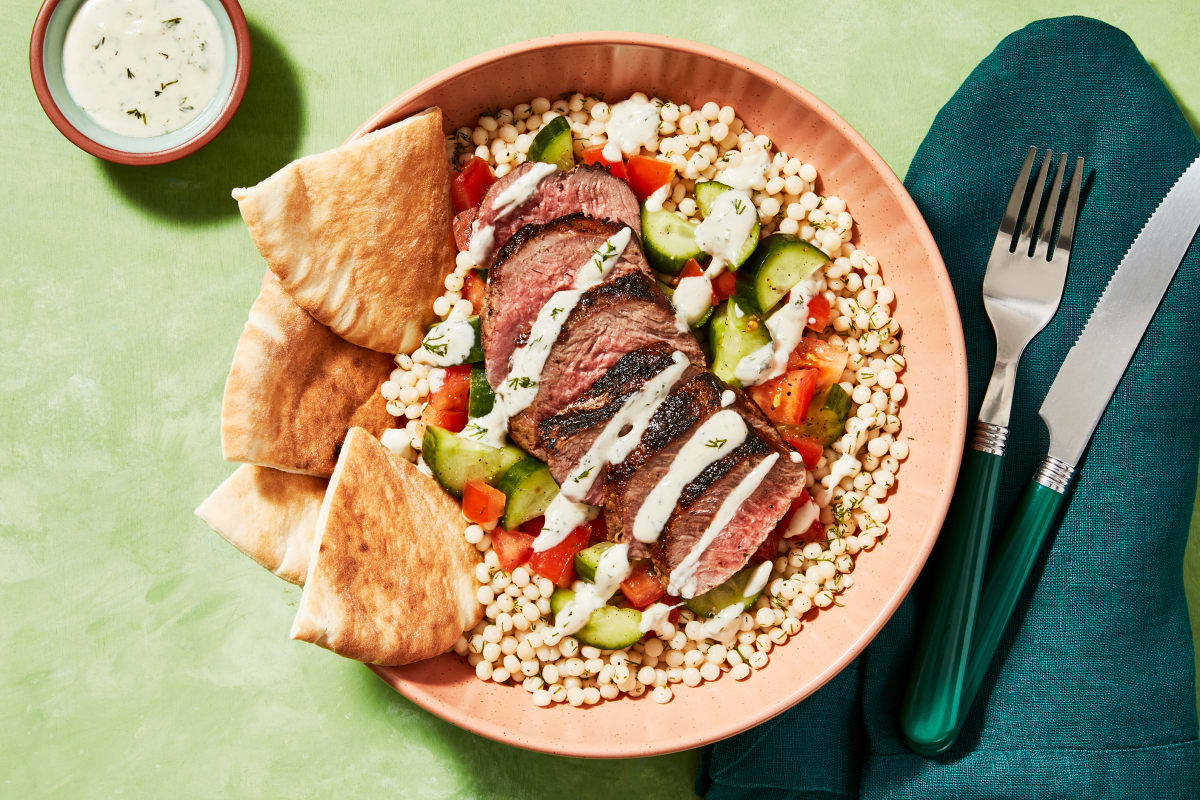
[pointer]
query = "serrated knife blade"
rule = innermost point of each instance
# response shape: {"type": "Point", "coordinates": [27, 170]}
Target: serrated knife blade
{"type": "Point", "coordinates": [1094, 365]}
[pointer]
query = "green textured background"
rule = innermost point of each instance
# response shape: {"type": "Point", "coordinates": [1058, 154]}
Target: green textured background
{"type": "Point", "coordinates": [139, 653]}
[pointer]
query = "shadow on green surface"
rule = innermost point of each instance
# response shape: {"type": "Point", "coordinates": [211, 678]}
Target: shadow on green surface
{"type": "Point", "coordinates": [496, 770]}
{"type": "Point", "coordinates": [263, 135]}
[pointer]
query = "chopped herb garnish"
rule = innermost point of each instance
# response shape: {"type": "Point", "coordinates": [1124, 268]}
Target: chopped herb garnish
{"type": "Point", "coordinates": [717, 443]}
{"type": "Point", "coordinates": [162, 87]}
{"type": "Point", "coordinates": [738, 206]}
{"type": "Point", "coordinates": [128, 74]}
{"type": "Point", "coordinates": [523, 382]}
{"type": "Point", "coordinates": [555, 312]}
{"type": "Point", "coordinates": [183, 107]}
{"type": "Point", "coordinates": [435, 344]}
{"type": "Point", "coordinates": [134, 112]}
{"type": "Point", "coordinates": [583, 474]}
{"type": "Point", "coordinates": [474, 429]}
{"type": "Point", "coordinates": [96, 46]}
{"type": "Point", "coordinates": [172, 22]}
{"type": "Point", "coordinates": [164, 55]}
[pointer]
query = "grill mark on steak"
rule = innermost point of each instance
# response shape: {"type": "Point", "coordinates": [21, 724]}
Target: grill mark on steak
{"type": "Point", "coordinates": [616, 317]}
{"type": "Point", "coordinates": [591, 190]}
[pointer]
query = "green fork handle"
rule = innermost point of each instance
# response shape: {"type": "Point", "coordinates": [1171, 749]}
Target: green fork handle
{"type": "Point", "coordinates": [931, 710]}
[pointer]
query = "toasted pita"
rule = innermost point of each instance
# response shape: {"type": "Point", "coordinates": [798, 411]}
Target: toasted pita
{"type": "Point", "coordinates": [392, 578]}
{"type": "Point", "coordinates": [269, 515]}
{"type": "Point", "coordinates": [361, 235]}
{"type": "Point", "coordinates": [295, 388]}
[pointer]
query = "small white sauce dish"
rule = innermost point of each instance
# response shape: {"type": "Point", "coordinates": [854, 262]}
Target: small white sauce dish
{"type": "Point", "coordinates": [47, 70]}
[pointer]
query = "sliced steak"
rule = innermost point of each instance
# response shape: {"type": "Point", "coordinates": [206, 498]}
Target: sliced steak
{"type": "Point", "coordinates": [462, 228]}
{"type": "Point", "coordinates": [535, 263]}
{"type": "Point", "coordinates": [567, 436]}
{"type": "Point", "coordinates": [589, 190]}
{"type": "Point", "coordinates": [694, 399]}
{"type": "Point", "coordinates": [618, 316]}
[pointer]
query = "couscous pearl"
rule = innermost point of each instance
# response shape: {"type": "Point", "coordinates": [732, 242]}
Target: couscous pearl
{"type": "Point", "coordinates": [662, 694]}
{"type": "Point", "coordinates": [807, 173]}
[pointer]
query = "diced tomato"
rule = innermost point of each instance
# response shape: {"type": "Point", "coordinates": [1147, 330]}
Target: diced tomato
{"type": "Point", "coordinates": [469, 184]}
{"type": "Point", "coordinates": [453, 393]}
{"type": "Point", "coordinates": [452, 420]}
{"type": "Point", "coordinates": [724, 285]}
{"type": "Point", "coordinates": [672, 600]}
{"type": "Point", "coordinates": [809, 448]}
{"type": "Point", "coordinates": [473, 289]}
{"type": "Point", "coordinates": [595, 155]}
{"type": "Point", "coordinates": [599, 526]}
{"type": "Point", "coordinates": [785, 399]}
{"type": "Point", "coordinates": [461, 225]}
{"type": "Point", "coordinates": [534, 525]}
{"type": "Point", "coordinates": [482, 503]}
{"type": "Point", "coordinates": [642, 587]}
{"type": "Point", "coordinates": [827, 359]}
{"type": "Point", "coordinates": [647, 175]}
{"type": "Point", "coordinates": [513, 548]}
{"type": "Point", "coordinates": [819, 312]}
{"type": "Point", "coordinates": [691, 270]}
{"type": "Point", "coordinates": [558, 563]}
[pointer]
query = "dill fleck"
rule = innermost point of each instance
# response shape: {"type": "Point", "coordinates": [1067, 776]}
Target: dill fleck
{"type": "Point", "coordinates": [555, 312]}
{"type": "Point", "coordinates": [128, 73]}
{"type": "Point", "coordinates": [172, 22]}
{"type": "Point", "coordinates": [137, 113]}
{"type": "Point", "coordinates": [523, 382]}
{"type": "Point", "coordinates": [717, 443]}
{"type": "Point", "coordinates": [96, 46]}
{"type": "Point", "coordinates": [583, 474]}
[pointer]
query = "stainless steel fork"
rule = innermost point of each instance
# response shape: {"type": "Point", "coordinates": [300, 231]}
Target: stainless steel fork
{"type": "Point", "coordinates": [1022, 288]}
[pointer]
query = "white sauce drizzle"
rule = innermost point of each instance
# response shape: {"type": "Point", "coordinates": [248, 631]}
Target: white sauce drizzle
{"type": "Point", "coordinates": [786, 326]}
{"type": "Point", "coordinates": [725, 229]}
{"type": "Point", "coordinates": [714, 439]}
{"type": "Point", "coordinates": [841, 469]}
{"type": "Point", "coordinates": [655, 201]}
{"type": "Point", "coordinates": [727, 398]}
{"type": "Point", "coordinates": [748, 172]}
{"type": "Point", "coordinates": [692, 299]}
{"type": "Point", "coordinates": [721, 626]}
{"type": "Point", "coordinates": [656, 617]}
{"type": "Point", "coordinates": [683, 578]}
{"type": "Point", "coordinates": [446, 344]}
{"type": "Point", "coordinates": [802, 520]}
{"type": "Point", "coordinates": [508, 201]}
{"type": "Point", "coordinates": [631, 125]}
{"type": "Point", "coordinates": [143, 67]}
{"type": "Point", "coordinates": [520, 386]}
{"type": "Point", "coordinates": [566, 512]}
{"type": "Point", "coordinates": [612, 568]}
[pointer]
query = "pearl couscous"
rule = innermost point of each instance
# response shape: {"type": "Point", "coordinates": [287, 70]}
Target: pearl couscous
{"type": "Point", "coordinates": [515, 642]}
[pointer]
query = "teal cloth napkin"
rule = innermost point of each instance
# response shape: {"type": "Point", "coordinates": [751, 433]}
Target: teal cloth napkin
{"type": "Point", "coordinates": [1093, 693]}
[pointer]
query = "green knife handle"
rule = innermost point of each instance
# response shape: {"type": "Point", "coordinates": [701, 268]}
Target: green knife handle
{"type": "Point", "coordinates": [931, 705]}
{"type": "Point", "coordinates": [1012, 561]}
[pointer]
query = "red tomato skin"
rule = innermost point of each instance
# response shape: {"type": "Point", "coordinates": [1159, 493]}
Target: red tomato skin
{"type": "Point", "coordinates": [827, 359]}
{"type": "Point", "coordinates": [819, 313]}
{"type": "Point", "coordinates": [642, 587]}
{"type": "Point", "coordinates": [809, 448]}
{"type": "Point", "coordinates": [452, 395]}
{"type": "Point", "coordinates": [724, 285]}
{"type": "Point", "coordinates": [691, 270]}
{"type": "Point", "coordinates": [482, 503]}
{"type": "Point", "coordinates": [513, 548]}
{"type": "Point", "coordinates": [469, 184]}
{"type": "Point", "coordinates": [474, 289]}
{"type": "Point", "coordinates": [599, 526]}
{"type": "Point", "coordinates": [595, 155]}
{"type": "Point", "coordinates": [785, 399]}
{"type": "Point", "coordinates": [453, 421]}
{"type": "Point", "coordinates": [558, 563]}
{"type": "Point", "coordinates": [647, 174]}
{"type": "Point", "coordinates": [534, 526]}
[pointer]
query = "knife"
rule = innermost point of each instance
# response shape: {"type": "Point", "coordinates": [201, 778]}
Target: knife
{"type": "Point", "coordinates": [1077, 399]}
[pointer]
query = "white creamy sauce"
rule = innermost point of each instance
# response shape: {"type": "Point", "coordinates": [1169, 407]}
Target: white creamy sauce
{"type": "Point", "coordinates": [513, 197]}
{"type": "Point", "coordinates": [566, 512]}
{"type": "Point", "coordinates": [796, 458]}
{"type": "Point", "coordinates": [655, 201]}
{"type": "Point", "coordinates": [725, 229]}
{"type": "Point", "coordinates": [656, 617]}
{"type": "Point", "coordinates": [693, 297]}
{"type": "Point", "coordinates": [841, 469]}
{"type": "Point", "coordinates": [612, 568]}
{"type": "Point", "coordinates": [747, 172]}
{"type": "Point", "coordinates": [143, 67]}
{"type": "Point", "coordinates": [714, 439]}
{"type": "Point", "coordinates": [446, 344]}
{"type": "Point", "coordinates": [631, 125]}
{"type": "Point", "coordinates": [520, 386]}
{"type": "Point", "coordinates": [721, 627]}
{"type": "Point", "coordinates": [727, 398]}
{"type": "Point", "coordinates": [683, 578]}
{"type": "Point", "coordinates": [786, 327]}
{"type": "Point", "coordinates": [802, 520]}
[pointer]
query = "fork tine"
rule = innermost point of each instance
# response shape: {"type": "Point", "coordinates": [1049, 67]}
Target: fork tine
{"type": "Point", "coordinates": [1035, 199]}
{"type": "Point", "coordinates": [1047, 227]}
{"type": "Point", "coordinates": [1008, 225]}
{"type": "Point", "coordinates": [1066, 233]}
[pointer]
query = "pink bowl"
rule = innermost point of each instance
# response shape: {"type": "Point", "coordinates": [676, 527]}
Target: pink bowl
{"type": "Point", "coordinates": [934, 415]}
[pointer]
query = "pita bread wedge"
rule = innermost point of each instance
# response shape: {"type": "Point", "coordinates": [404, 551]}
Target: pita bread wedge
{"type": "Point", "coordinates": [392, 578]}
{"type": "Point", "coordinates": [295, 388]}
{"type": "Point", "coordinates": [269, 515]}
{"type": "Point", "coordinates": [361, 235]}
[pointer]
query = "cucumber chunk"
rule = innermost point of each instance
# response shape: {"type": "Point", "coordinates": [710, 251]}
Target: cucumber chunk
{"type": "Point", "coordinates": [553, 144]}
{"type": "Point", "coordinates": [480, 398]}
{"type": "Point", "coordinates": [706, 194]}
{"type": "Point", "coordinates": [826, 418]}
{"type": "Point", "coordinates": [730, 592]}
{"type": "Point", "coordinates": [529, 487]}
{"type": "Point", "coordinates": [454, 460]}
{"type": "Point", "coordinates": [588, 559]}
{"type": "Point", "coordinates": [669, 240]}
{"type": "Point", "coordinates": [734, 333]}
{"type": "Point", "coordinates": [779, 263]}
{"type": "Point", "coordinates": [609, 628]}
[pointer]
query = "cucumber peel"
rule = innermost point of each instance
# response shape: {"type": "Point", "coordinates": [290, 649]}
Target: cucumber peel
{"type": "Point", "coordinates": [553, 144]}
{"type": "Point", "coordinates": [734, 333]}
{"type": "Point", "coordinates": [780, 262]}
{"type": "Point", "coordinates": [731, 591]}
{"type": "Point", "coordinates": [609, 627]}
{"type": "Point", "coordinates": [529, 487]}
{"type": "Point", "coordinates": [455, 460]}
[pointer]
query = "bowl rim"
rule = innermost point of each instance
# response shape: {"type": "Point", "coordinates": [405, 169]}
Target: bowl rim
{"type": "Point", "coordinates": [957, 424]}
{"type": "Point", "coordinates": [37, 70]}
